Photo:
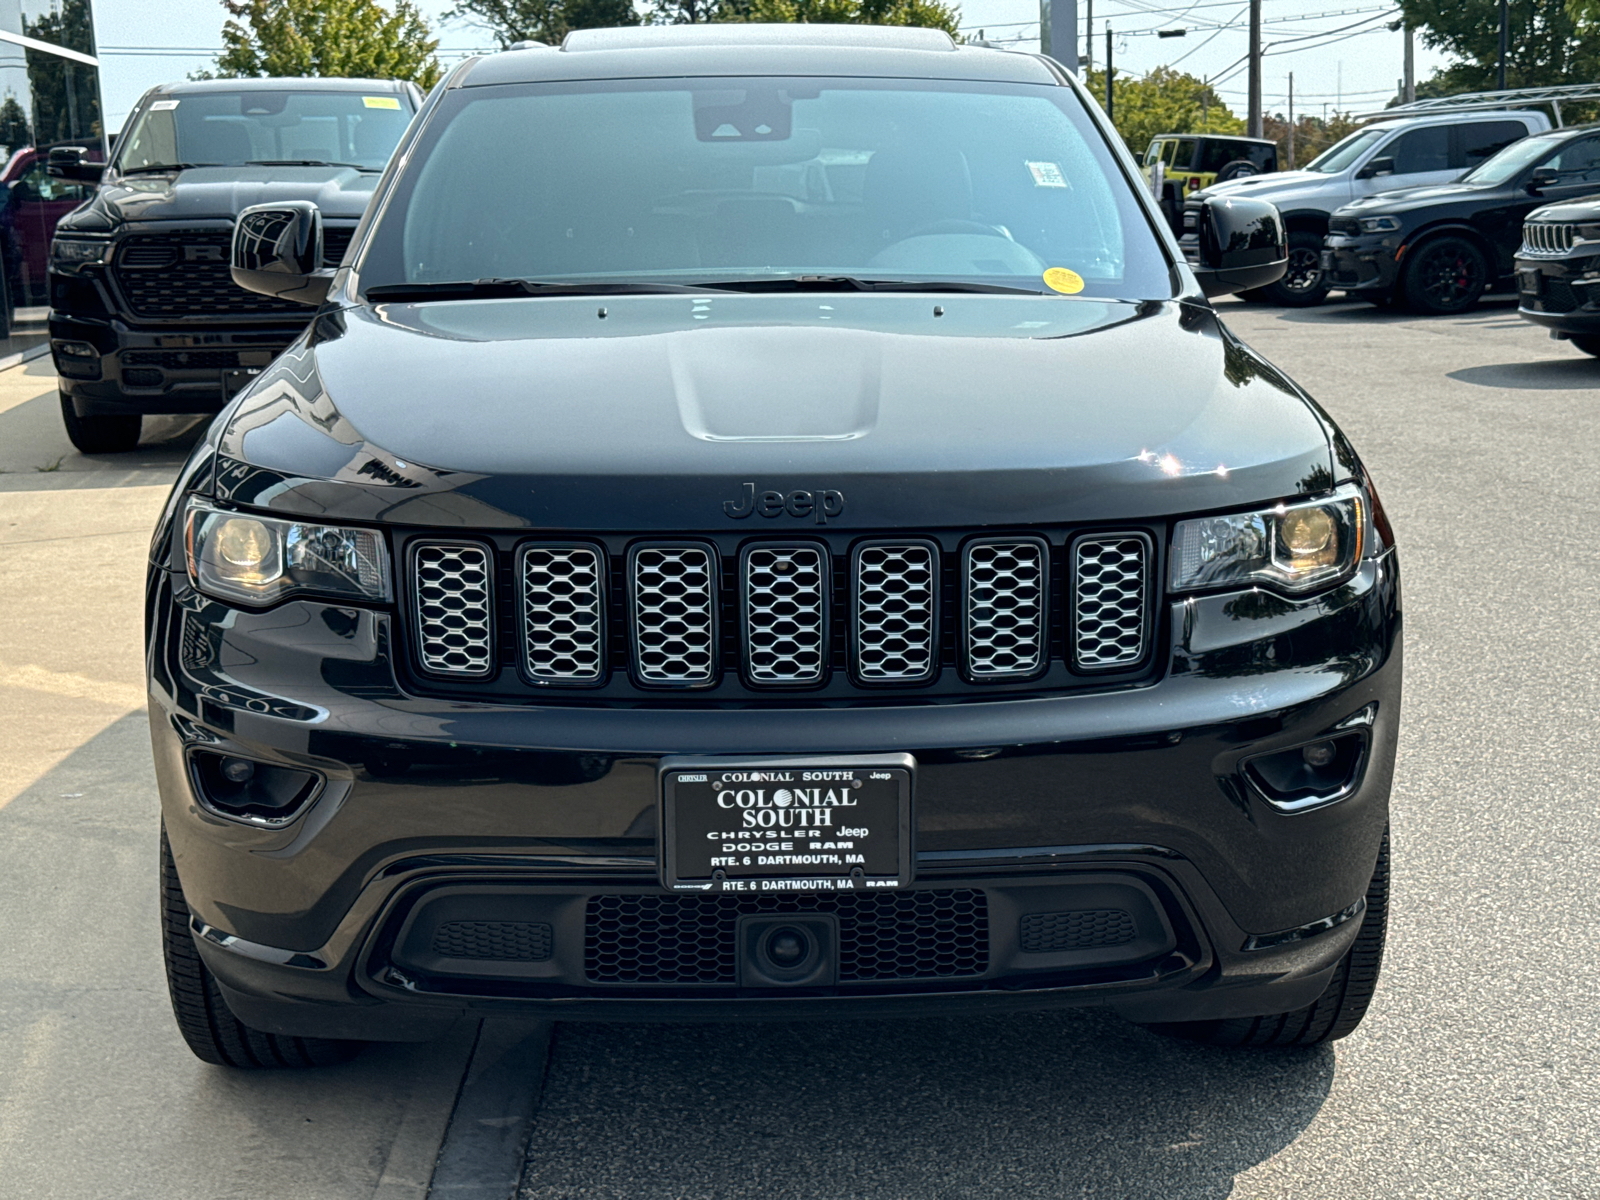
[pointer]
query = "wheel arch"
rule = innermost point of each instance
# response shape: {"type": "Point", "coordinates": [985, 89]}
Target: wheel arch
{"type": "Point", "coordinates": [1450, 227]}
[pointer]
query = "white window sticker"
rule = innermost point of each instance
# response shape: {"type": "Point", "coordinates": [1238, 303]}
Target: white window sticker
{"type": "Point", "coordinates": [1047, 174]}
{"type": "Point", "coordinates": [163, 105]}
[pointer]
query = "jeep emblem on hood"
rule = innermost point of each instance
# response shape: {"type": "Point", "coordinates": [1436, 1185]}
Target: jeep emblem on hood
{"type": "Point", "coordinates": [820, 505]}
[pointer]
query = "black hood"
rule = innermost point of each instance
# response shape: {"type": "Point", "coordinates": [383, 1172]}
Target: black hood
{"type": "Point", "coordinates": [219, 193]}
{"type": "Point", "coordinates": [1586, 209]}
{"type": "Point", "coordinates": [652, 412]}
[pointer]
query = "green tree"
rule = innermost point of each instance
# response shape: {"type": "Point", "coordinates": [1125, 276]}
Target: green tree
{"type": "Point", "coordinates": [1164, 101]}
{"type": "Point", "coordinates": [340, 38]}
{"type": "Point", "coordinates": [66, 98]}
{"type": "Point", "coordinates": [1552, 42]}
{"type": "Point", "coordinates": [542, 20]}
{"type": "Point", "coordinates": [930, 14]}
{"type": "Point", "coordinates": [1312, 135]}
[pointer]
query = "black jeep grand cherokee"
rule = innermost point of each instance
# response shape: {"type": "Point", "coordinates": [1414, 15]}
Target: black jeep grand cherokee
{"type": "Point", "coordinates": [144, 317]}
{"type": "Point", "coordinates": [791, 538]}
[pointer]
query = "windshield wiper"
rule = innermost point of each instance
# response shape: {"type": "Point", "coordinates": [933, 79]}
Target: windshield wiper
{"type": "Point", "coordinates": [480, 288]}
{"type": "Point", "coordinates": [154, 167]}
{"type": "Point", "coordinates": [852, 283]}
{"type": "Point", "coordinates": [304, 162]}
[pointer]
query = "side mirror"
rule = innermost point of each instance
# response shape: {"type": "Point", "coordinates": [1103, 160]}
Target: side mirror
{"type": "Point", "coordinates": [277, 251]}
{"type": "Point", "coordinates": [1242, 245]}
{"type": "Point", "coordinates": [72, 162]}
{"type": "Point", "coordinates": [1542, 178]}
{"type": "Point", "coordinates": [1383, 165]}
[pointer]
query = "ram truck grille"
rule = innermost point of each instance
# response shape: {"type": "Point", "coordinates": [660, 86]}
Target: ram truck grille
{"type": "Point", "coordinates": [185, 274]}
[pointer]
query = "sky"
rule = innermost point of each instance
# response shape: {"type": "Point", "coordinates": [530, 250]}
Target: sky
{"type": "Point", "coordinates": [1343, 56]}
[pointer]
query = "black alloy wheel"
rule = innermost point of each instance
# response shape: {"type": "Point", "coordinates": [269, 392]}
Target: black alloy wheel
{"type": "Point", "coordinates": [1589, 343]}
{"type": "Point", "coordinates": [1303, 284]}
{"type": "Point", "coordinates": [1444, 276]}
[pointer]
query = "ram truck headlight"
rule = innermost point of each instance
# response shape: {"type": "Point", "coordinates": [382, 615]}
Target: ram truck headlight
{"type": "Point", "coordinates": [68, 254]}
{"type": "Point", "coordinates": [260, 560]}
{"type": "Point", "coordinates": [1295, 548]}
{"type": "Point", "coordinates": [1378, 224]}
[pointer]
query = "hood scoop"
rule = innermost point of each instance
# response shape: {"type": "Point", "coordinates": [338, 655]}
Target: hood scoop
{"type": "Point", "coordinates": [725, 380]}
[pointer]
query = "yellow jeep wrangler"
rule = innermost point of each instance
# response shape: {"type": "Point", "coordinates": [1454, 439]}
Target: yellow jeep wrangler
{"type": "Point", "coordinates": [1191, 161]}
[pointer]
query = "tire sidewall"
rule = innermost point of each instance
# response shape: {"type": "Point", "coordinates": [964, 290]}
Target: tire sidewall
{"type": "Point", "coordinates": [1414, 284]}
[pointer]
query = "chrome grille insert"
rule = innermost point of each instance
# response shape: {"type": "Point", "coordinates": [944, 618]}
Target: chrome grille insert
{"type": "Point", "coordinates": [452, 596]}
{"type": "Point", "coordinates": [894, 610]}
{"type": "Point", "coordinates": [673, 613]}
{"type": "Point", "coordinates": [563, 613]}
{"type": "Point", "coordinates": [1548, 237]}
{"type": "Point", "coordinates": [1110, 583]}
{"type": "Point", "coordinates": [785, 613]}
{"type": "Point", "coordinates": [1003, 623]}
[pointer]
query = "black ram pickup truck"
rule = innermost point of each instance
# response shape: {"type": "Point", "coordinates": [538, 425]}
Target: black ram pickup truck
{"type": "Point", "coordinates": [794, 539]}
{"type": "Point", "coordinates": [144, 317]}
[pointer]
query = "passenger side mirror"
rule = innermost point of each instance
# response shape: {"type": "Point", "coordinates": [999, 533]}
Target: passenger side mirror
{"type": "Point", "coordinates": [1382, 165]}
{"type": "Point", "coordinates": [1243, 245]}
{"type": "Point", "coordinates": [277, 251]}
{"type": "Point", "coordinates": [1542, 178]}
{"type": "Point", "coordinates": [72, 162]}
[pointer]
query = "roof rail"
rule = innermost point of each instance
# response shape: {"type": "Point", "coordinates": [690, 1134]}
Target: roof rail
{"type": "Point", "coordinates": [1555, 97]}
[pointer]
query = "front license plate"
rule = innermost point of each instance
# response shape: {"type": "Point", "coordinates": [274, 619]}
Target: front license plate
{"type": "Point", "coordinates": [1528, 282]}
{"type": "Point", "coordinates": [779, 825]}
{"type": "Point", "coordinates": [1325, 259]}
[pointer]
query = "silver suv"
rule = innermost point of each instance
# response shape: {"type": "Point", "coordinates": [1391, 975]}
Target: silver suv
{"type": "Point", "coordinates": [1382, 157]}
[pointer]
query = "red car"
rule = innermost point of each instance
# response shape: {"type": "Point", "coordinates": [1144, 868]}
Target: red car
{"type": "Point", "coordinates": [34, 201]}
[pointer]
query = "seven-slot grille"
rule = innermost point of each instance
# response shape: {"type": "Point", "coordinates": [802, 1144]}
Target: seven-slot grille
{"type": "Point", "coordinates": [1548, 237]}
{"type": "Point", "coordinates": [676, 623]}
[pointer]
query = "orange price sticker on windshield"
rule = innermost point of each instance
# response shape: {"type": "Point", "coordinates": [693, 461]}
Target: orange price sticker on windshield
{"type": "Point", "coordinates": [1059, 279]}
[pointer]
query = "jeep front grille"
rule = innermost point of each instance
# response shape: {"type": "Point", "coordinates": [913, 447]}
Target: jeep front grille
{"type": "Point", "coordinates": [785, 613]}
{"type": "Point", "coordinates": [1548, 237]}
{"type": "Point", "coordinates": [673, 595]}
{"type": "Point", "coordinates": [1110, 580]}
{"type": "Point", "coordinates": [1003, 623]}
{"type": "Point", "coordinates": [452, 597]}
{"type": "Point", "coordinates": [830, 615]}
{"type": "Point", "coordinates": [895, 611]}
{"type": "Point", "coordinates": [563, 613]}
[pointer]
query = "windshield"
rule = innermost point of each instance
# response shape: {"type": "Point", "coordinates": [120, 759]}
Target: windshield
{"type": "Point", "coordinates": [1340, 155]}
{"type": "Point", "coordinates": [1510, 161]}
{"type": "Point", "coordinates": [699, 181]}
{"type": "Point", "coordinates": [236, 128]}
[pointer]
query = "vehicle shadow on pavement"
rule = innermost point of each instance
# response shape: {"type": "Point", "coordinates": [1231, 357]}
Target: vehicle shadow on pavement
{"type": "Point", "coordinates": [36, 455]}
{"type": "Point", "coordinates": [1550, 374]}
{"type": "Point", "coordinates": [1074, 1103]}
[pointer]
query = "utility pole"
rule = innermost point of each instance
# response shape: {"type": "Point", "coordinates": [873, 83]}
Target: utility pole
{"type": "Point", "coordinates": [1088, 40]}
{"type": "Point", "coordinates": [1058, 32]}
{"type": "Point", "coordinates": [1205, 106]}
{"type": "Point", "coordinates": [1255, 69]}
{"type": "Point", "coordinates": [1111, 99]}
{"type": "Point", "coordinates": [1505, 42]}
{"type": "Point", "coordinates": [1410, 96]}
{"type": "Point", "coordinates": [1291, 121]}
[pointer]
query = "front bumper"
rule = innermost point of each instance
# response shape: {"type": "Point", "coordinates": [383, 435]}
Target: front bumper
{"type": "Point", "coordinates": [1362, 263]}
{"type": "Point", "coordinates": [1560, 293]}
{"type": "Point", "coordinates": [1129, 800]}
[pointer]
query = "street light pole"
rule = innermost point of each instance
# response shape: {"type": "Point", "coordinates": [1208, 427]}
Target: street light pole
{"type": "Point", "coordinates": [1111, 99]}
{"type": "Point", "coordinates": [1291, 121]}
{"type": "Point", "coordinates": [1505, 42]}
{"type": "Point", "coordinates": [1255, 68]}
{"type": "Point", "coordinates": [1411, 69]}
{"type": "Point", "coordinates": [1088, 40]}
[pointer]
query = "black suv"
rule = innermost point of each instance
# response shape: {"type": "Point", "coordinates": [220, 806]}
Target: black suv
{"type": "Point", "coordinates": [792, 538]}
{"type": "Point", "coordinates": [1558, 271]}
{"type": "Point", "coordinates": [1438, 249]}
{"type": "Point", "coordinates": [144, 317]}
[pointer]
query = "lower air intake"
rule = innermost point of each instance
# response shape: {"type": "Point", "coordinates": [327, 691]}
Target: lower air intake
{"type": "Point", "coordinates": [1083, 929]}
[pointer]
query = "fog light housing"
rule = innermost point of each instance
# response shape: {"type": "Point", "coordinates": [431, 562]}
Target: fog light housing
{"type": "Point", "coordinates": [1309, 776]}
{"type": "Point", "coordinates": [244, 789]}
{"type": "Point", "coordinates": [77, 360]}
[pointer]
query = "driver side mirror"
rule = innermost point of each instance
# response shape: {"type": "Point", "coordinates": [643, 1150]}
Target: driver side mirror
{"type": "Point", "coordinates": [1542, 178]}
{"type": "Point", "coordinates": [1243, 245]}
{"type": "Point", "coordinates": [1383, 165]}
{"type": "Point", "coordinates": [277, 251]}
{"type": "Point", "coordinates": [72, 162]}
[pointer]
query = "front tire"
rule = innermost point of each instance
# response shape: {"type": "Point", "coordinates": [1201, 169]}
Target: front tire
{"type": "Point", "coordinates": [1332, 1015]}
{"type": "Point", "coordinates": [116, 434]}
{"type": "Point", "coordinates": [1303, 284]}
{"type": "Point", "coordinates": [214, 1034]}
{"type": "Point", "coordinates": [1444, 276]}
{"type": "Point", "coordinates": [1589, 343]}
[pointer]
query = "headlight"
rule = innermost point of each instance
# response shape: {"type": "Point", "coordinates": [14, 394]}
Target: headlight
{"type": "Point", "coordinates": [260, 560]}
{"type": "Point", "coordinates": [1294, 547]}
{"type": "Point", "coordinates": [1378, 224]}
{"type": "Point", "coordinates": [74, 252]}
{"type": "Point", "coordinates": [1588, 233]}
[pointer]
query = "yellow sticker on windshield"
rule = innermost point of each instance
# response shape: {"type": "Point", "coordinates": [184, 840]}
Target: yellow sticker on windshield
{"type": "Point", "coordinates": [381, 101]}
{"type": "Point", "coordinates": [1059, 279]}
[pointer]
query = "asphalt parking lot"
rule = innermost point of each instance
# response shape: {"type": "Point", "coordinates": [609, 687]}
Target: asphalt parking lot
{"type": "Point", "coordinates": [1475, 1074]}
